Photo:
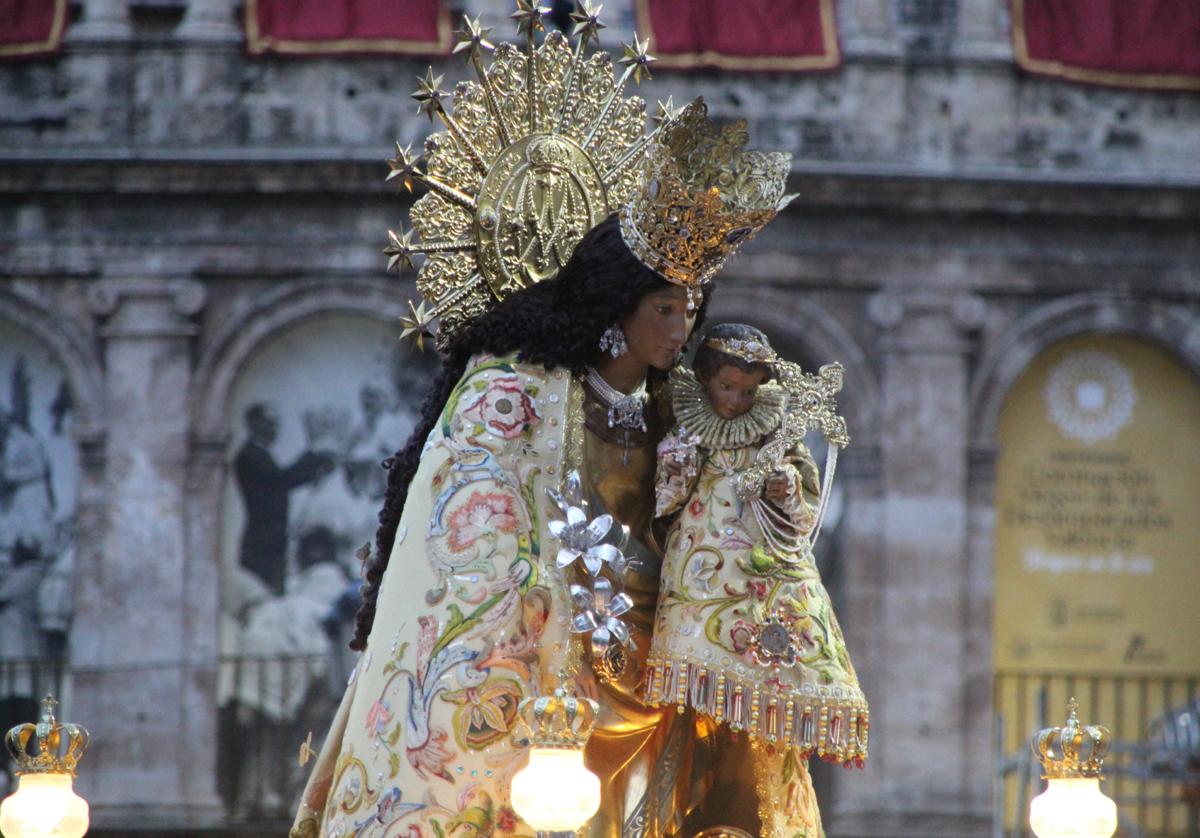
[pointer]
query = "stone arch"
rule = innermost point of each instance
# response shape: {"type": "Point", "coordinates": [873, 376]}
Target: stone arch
{"type": "Point", "coordinates": [273, 312]}
{"type": "Point", "coordinates": [72, 348]}
{"type": "Point", "coordinates": [1167, 325]}
{"type": "Point", "coordinates": [787, 313]}
{"type": "Point", "coordinates": [229, 351]}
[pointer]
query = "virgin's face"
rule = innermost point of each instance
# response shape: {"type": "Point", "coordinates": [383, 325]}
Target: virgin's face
{"type": "Point", "coordinates": [659, 326]}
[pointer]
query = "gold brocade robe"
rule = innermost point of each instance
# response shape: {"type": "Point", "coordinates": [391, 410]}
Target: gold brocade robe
{"type": "Point", "coordinates": [473, 616]}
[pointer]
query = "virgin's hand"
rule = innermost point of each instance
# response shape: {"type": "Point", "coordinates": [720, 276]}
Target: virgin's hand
{"type": "Point", "coordinates": [586, 685]}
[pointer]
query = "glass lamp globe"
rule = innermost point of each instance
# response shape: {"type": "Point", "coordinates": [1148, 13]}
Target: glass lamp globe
{"type": "Point", "coordinates": [44, 806]}
{"type": "Point", "coordinates": [1074, 807]}
{"type": "Point", "coordinates": [555, 792]}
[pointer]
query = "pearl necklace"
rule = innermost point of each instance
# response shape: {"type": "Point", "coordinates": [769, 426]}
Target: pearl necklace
{"type": "Point", "coordinates": [625, 410]}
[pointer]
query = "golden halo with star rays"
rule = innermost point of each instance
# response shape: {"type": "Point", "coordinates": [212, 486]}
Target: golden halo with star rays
{"type": "Point", "coordinates": [539, 148]}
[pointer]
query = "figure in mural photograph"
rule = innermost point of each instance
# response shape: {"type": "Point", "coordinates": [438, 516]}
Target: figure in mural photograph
{"type": "Point", "coordinates": [518, 551]}
{"type": "Point", "coordinates": [29, 501]}
{"type": "Point", "coordinates": [265, 487]}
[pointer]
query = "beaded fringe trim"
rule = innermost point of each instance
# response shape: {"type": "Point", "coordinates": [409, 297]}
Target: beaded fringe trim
{"type": "Point", "coordinates": [835, 730]}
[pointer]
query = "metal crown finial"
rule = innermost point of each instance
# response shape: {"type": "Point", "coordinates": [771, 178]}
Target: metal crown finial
{"type": "Point", "coordinates": [1073, 750]}
{"type": "Point", "coordinates": [50, 756]}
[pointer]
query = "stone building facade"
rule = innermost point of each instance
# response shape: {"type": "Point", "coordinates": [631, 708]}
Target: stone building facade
{"type": "Point", "coordinates": [169, 207]}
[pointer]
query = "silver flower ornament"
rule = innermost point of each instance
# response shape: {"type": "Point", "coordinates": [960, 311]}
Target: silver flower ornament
{"type": "Point", "coordinates": [580, 538]}
{"type": "Point", "coordinates": [599, 610]}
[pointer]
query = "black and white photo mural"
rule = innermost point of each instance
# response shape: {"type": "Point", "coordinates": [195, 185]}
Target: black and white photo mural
{"type": "Point", "coordinates": [38, 470]}
{"type": "Point", "coordinates": [311, 417]}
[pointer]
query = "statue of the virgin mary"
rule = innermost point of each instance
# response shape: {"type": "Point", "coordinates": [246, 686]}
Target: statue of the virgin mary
{"type": "Point", "coordinates": [569, 254]}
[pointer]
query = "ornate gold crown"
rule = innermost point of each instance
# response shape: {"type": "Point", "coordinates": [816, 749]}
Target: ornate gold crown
{"type": "Point", "coordinates": [749, 350]}
{"type": "Point", "coordinates": [50, 756]}
{"type": "Point", "coordinates": [702, 198]}
{"type": "Point", "coordinates": [535, 153]}
{"type": "Point", "coordinates": [1072, 750]}
{"type": "Point", "coordinates": [559, 720]}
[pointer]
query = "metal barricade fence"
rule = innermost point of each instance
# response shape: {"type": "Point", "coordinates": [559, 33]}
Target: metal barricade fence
{"type": "Point", "coordinates": [266, 708]}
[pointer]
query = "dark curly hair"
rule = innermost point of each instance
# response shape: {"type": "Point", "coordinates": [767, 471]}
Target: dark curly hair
{"type": "Point", "coordinates": [556, 323]}
{"type": "Point", "coordinates": [708, 360]}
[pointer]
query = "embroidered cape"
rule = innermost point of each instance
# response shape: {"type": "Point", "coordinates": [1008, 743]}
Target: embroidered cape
{"type": "Point", "coordinates": [469, 623]}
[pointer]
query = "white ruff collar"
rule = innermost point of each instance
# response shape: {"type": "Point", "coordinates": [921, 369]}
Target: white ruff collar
{"type": "Point", "coordinates": [695, 413]}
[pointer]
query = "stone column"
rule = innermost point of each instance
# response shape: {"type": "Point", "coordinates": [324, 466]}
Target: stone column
{"type": "Point", "coordinates": [860, 473]}
{"type": "Point", "coordinates": [143, 661]}
{"type": "Point", "coordinates": [859, 611]}
{"type": "Point", "coordinates": [205, 102]}
{"type": "Point", "coordinates": [209, 21]}
{"type": "Point", "coordinates": [98, 74]}
{"type": "Point", "coordinates": [980, 597]}
{"type": "Point", "coordinates": [102, 20]}
{"type": "Point", "coordinates": [204, 482]}
{"type": "Point", "coordinates": [919, 732]}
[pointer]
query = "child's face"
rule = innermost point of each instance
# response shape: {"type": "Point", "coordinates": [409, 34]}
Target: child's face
{"type": "Point", "coordinates": [732, 390]}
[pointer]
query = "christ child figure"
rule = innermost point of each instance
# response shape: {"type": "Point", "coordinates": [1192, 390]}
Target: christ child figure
{"type": "Point", "coordinates": [744, 631]}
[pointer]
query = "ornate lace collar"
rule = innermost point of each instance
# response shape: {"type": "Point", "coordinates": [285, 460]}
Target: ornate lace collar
{"type": "Point", "coordinates": [695, 413]}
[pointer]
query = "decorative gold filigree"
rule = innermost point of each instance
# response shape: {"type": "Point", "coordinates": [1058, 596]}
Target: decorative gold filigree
{"type": "Point", "coordinates": [702, 196]}
{"type": "Point", "coordinates": [539, 148]}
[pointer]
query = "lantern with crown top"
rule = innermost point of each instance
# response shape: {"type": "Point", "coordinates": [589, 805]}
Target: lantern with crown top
{"type": "Point", "coordinates": [44, 804]}
{"type": "Point", "coordinates": [555, 793]}
{"type": "Point", "coordinates": [1072, 804]}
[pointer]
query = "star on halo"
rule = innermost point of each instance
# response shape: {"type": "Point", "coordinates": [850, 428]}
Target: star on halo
{"type": "Point", "coordinates": [415, 324]}
{"type": "Point", "coordinates": [666, 111]}
{"type": "Point", "coordinates": [404, 166]}
{"type": "Point", "coordinates": [637, 59]}
{"type": "Point", "coordinates": [587, 22]}
{"type": "Point", "coordinates": [529, 17]}
{"type": "Point", "coordinates": [473, 39]}
{"type": "Point", "coordinates": [429, 93]}
{"type": "Point", "coordinates": [399, 249]}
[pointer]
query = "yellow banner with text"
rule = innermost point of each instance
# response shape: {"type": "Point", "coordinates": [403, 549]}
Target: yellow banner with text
{"type": "Point", "coordinates": [1098, 512]}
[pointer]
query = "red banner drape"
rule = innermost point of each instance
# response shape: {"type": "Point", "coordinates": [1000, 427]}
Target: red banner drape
{"type": "Point", "coordinates": [339, 27]}
{"type": "Point", "coordinates": [765, 35]}
{"type": "Point", "coordinates": [30, 28]}
{"type": "Point", "coordinates": [1122, 43]}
